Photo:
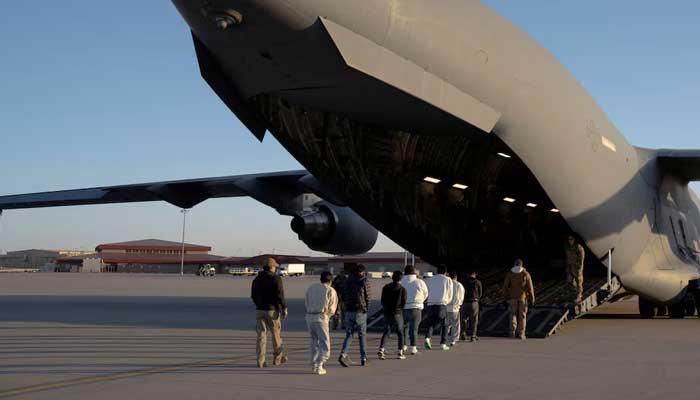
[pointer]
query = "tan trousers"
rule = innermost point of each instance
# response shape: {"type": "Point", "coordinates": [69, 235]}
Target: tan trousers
{"type": "Point", "coordinates": [518, 318]}
{"type": "Point", "coordinates": [268, 321]}
{"type": "Point", "coordinates": [574, 276]}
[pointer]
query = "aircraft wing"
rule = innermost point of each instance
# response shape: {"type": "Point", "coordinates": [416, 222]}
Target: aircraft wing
{"type": "Point", "coordinates": [684, 164]}
{"type": "Point", "coordinates": [274, 189]}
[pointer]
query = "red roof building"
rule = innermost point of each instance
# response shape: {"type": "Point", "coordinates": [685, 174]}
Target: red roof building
{"type": "Point", "coordinates": [149, 255]}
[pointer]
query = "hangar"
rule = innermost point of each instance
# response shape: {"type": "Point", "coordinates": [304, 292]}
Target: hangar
{"type": "Point", "coordinates": [148, 255]}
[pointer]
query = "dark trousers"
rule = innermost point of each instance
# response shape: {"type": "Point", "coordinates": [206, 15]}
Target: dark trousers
{"type": "Point", "coordinates": [412, 318]}
{"type": "Point", "coordinates": [394, 321]}
{"type": "Point", "coordinates": [437, 319]}
{"type": "Point", "coordinates": [471, 317]}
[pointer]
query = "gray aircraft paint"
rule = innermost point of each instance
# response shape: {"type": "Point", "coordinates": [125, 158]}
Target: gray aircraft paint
{"type": "Point", "coordinates": [589, 170]}
{"type": "Point", "coordinates": [472, 72]}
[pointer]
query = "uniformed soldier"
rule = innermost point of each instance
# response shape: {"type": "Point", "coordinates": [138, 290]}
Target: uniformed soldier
{"type": "Point", "coordinates": [518, 289]}
{"type": "Point", "coordinates": [574, 266]}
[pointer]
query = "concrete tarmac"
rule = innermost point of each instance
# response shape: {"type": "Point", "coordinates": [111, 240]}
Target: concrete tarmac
{"type": "Point", "coordinates": [138, 336]}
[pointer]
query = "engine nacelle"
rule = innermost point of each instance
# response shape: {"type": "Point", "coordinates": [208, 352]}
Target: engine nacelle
{"type": "Point", "coordinates": [333, 229]}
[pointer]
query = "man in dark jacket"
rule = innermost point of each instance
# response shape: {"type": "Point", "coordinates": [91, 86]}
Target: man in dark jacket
{"type": "Point", "coordinates": [356, 298]}
{"type": "Point", "coordinates": [339, 286]}
{"type": "Point", "coordinates": [267, 293]}
{"type": "Point", "coordinates": [393, 302]}
{"type": "Point", "coordinates": [472, 296]}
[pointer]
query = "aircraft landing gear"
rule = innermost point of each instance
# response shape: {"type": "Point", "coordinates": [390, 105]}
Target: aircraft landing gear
{"type": "Point", "coordinates": [677, 311]}
{"type": "Point", "coordinates": [647, 309]}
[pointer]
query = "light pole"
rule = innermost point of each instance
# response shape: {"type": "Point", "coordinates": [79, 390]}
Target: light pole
{"type": "Point", "coordinates": [182, 250]}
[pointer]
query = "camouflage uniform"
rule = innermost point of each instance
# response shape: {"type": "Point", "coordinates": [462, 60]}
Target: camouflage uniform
{"type": "Point", "coordinates": [574, 268]}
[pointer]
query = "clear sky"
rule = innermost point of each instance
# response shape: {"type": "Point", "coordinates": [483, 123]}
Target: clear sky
{"type": "Point", "coordinates": [102, 93]}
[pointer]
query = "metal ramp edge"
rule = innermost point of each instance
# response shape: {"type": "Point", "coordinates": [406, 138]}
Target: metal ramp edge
{"type": "Point", "coordinates": [542, 321]}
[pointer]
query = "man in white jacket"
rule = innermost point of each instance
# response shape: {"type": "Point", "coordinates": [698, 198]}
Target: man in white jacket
{"type": "Point", "coordinates": [440, 289]}
{"type": "Point", "coordinates": [321, 302]}
{"type": "Point", "coordinates": [416, 294]}
{"type": "Point", "coordinates": [453, 315]}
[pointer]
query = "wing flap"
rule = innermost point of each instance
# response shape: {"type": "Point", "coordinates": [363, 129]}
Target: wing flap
{"type": "Point", "coordinates": [182, 193]}
{"type": "Point", "coordinates": [685, 164]}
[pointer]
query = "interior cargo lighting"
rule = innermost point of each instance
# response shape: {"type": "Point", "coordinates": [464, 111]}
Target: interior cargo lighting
{"type": "Point", "coordinates": [554, 210]}
{"type": "Point", "coordinates": [508, 199]}
{"type": "Point", "coordinates": [531, 205]}
{"type": "Point", "coordinates": [459, 186]}
{"type": "Point", "coordinates": [504, 155]}
{"type": "Point", "coordinates": [431, 179]}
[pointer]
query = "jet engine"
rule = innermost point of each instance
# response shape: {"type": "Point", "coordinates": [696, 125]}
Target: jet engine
{"type": "Point", "coordinates": [335, 230]}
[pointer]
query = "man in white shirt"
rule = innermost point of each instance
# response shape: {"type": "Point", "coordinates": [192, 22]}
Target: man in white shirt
{"type": "Point", "coordinates": [453, 315]}
{"type": "Point", "coordinates": [440, 295]}
{"type": "Point", "coordinates": [416, 294]}
{"type": "Point", "coordinates": [321, 302]}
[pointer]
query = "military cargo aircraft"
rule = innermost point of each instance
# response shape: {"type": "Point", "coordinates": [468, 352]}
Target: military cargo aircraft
{"type": "Point", "coordinates": [442, 125]}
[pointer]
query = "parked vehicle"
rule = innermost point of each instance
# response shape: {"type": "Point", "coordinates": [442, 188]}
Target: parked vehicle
{"type": "Point", "coordinates": [242, 271]}
{"type": "Point", "coordinates": [206, 270]}
{"type": "Point", "coordinates": [291, 270]}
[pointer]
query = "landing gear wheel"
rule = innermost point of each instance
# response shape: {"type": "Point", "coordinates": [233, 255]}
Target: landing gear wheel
{"type": "Point", "coordinates": [676, 311]}
{"type": "Point", "coordinates": [661, 311]}
{"type": "Point", "coordinates": [647, 309]}
{"type": "Point", "coordinates": [689, 308]}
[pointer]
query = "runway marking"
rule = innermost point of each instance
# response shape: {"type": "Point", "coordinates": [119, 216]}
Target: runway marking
{"type": "Point", "coordinates": [128, 374]}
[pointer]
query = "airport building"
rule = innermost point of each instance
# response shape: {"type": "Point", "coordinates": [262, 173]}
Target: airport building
{"type": "Point", "coordinates": [380, 262]}
{"type": "Point", "coordinates": [375, 262]}
{"type": "Point", "coordinates": [254, 264]}
{"type": "Point", "coordinates": [36, 258]}
{"type": "Point", "coordinates": [149, 255]}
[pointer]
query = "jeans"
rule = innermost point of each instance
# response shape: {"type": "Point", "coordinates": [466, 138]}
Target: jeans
{"type": "Point", "coordinates": [355, 322]}
{"type": "Point", "coordinates": [393, 321]}
{"type": "Point", "coordinates": [453, 325]}
{"type": "Point", "coordinates": [320, 345]}
{"type": "Point", "coordinates": [437, 319]}
{"type": "Point", "coordinates": [412, 318]}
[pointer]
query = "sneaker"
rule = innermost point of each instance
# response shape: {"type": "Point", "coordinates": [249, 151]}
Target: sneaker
{"type": "Point", "coordinates": [452, 344]}
{"type": "Point", "coordinates": [363, 362]}
{"type": "Point", "coordinates": [445, 347]}
{"type": "Point", "coordinates": [523, 337]}
{"type": "Point", "coordinates": [314, 369]}
{"type": "Point", "coordinates": [344, 361]}
{"type": "Point", "coordinates": [428, 346]}
{"type": "Point", "coordinates": [473, 339]}
{"type": "Point", "coordinates": [321, 370]}
{"type": "Point", "coordinates": [381, 355]}
{"type": "Point", "coordinates": [401, 356]}
{"type": "Point", "coordinates": [405, 348]}
{"type": "Point", "coordinates": [279, 361]}
{"type": "Point", "coordinates": [414, 350]}
{"type": "Point", "coordinates": [263, 365]}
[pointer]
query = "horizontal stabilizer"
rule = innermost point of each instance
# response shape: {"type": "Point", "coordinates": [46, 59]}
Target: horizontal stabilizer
{"type": "Point", "coordinates": [685, 164]}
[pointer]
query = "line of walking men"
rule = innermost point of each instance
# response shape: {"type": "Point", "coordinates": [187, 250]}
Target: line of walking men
{"type": "Point", "coordinates": [403, 301]}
